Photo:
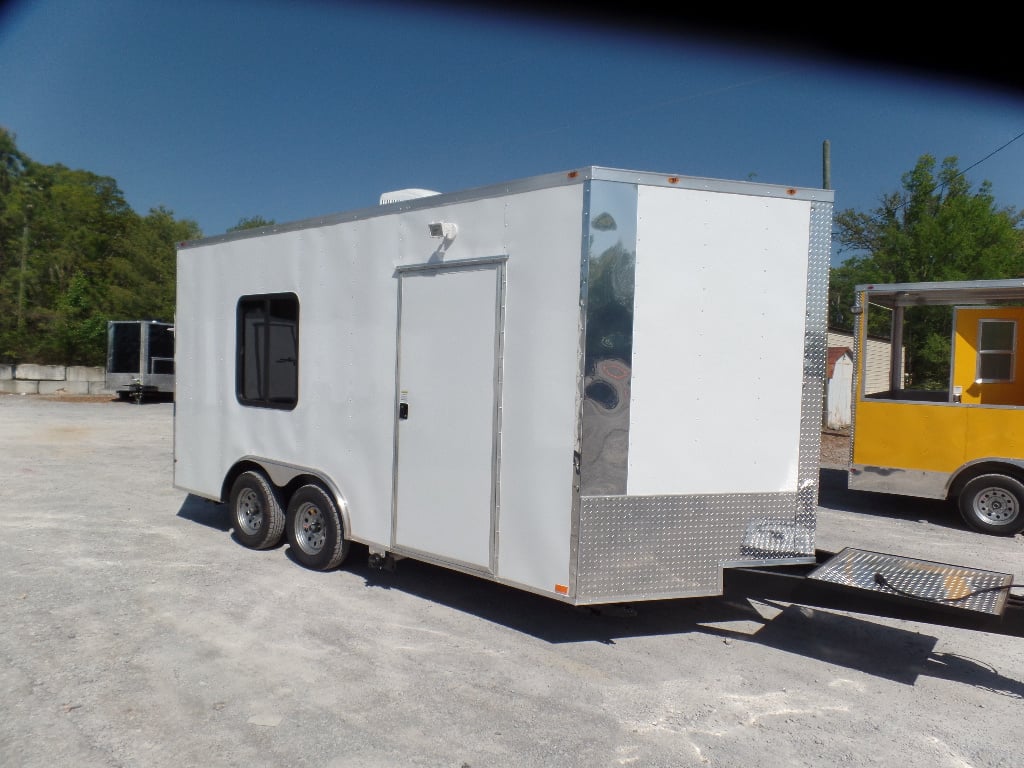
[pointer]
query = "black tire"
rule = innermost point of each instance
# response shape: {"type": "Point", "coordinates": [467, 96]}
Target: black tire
{"type": "Point", "coordinates": [314, 529]}
{"type": "Point", "coordinates": [256, 512]}
{"type": "Point", "coordinates": [993, 504]}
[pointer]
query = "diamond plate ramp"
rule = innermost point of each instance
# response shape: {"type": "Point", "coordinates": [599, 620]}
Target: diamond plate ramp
{"type": "Point", "coordinates": [956, 586]}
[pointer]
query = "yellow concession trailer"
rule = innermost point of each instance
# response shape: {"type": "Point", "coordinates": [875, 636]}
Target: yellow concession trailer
{"type": "Point", "coordinates": [964, 442]}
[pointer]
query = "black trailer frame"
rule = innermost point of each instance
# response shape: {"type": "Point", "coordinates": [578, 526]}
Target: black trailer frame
{"type": "Point", "coordinates": [890, 586]}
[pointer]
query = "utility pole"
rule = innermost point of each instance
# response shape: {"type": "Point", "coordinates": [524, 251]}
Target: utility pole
{"type": "Point", "coordinates": [21, 277]}
{"type": "Point", "coordinates": [826, 165]}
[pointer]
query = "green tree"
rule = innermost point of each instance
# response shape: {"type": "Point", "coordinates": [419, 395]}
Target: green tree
{"type": "Point", "coordinates": [12, 162]}
{"type": "Point", "coordinates": [935, 229]}
{"type": "Point", "coordinates": [73, 255]}
{"type": "Point", "coordinates": [251, 222]}
{"type": "Point", "coordinates": [23, 200]}
{"type": "Point", "coordinates": [78, 329]}
{"type": "Point", "coordinates": [142, 271]}
{"type": "Point", "coordinates": [75, 223]}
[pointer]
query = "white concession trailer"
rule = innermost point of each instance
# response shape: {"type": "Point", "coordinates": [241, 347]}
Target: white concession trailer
{"type": "Point", "coordinates": [599, 385]}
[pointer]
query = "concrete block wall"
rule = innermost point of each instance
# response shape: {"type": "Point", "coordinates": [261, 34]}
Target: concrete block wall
{"type": "Point", "coordinates": [31, 379]}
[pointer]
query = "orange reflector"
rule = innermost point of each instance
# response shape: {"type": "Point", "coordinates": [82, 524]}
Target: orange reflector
{"type": "Point", "coordinates": [673, 179]}
{"type": "Point", "coordinates": [790, 191]}
{"type": "Point", "coordinates": [573, 174]}
{"type": "Point", "coordinates": [561, 589]}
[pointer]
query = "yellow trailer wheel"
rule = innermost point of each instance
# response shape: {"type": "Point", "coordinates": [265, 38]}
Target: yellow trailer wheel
{"type": "Point", "coordinates": [993, 504]}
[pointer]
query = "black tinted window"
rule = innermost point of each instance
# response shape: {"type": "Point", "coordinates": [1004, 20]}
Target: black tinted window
{"type": "Point", "coordinates": [267, 371]}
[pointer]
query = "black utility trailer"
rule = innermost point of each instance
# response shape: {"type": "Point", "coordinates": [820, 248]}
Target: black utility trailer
{"type": "Point", "coordinates": [140, 358]}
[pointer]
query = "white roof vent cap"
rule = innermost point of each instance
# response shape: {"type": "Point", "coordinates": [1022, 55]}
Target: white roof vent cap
{"type": "Point", "coordinates": [405, 194]}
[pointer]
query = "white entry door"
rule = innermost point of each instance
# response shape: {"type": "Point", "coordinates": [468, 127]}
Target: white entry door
{"type": "Point", "coordinates": [449, 377]}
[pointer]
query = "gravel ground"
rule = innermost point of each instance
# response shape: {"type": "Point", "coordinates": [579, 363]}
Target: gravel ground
{"type": "Point", "coordinates": [835, 449]}
{"type": "Point", "coordinates": [136, 632]}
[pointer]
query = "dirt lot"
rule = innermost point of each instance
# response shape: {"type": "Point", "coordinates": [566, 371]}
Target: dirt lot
{"type": "Point", "coordinates": [835, 448]}
{"type": "Point", "coordinates": [137, 633]}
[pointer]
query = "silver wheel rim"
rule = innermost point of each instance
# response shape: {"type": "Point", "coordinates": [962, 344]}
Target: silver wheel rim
{"type": "Point", "coordinates": [310, 533]}
{"type": "Point", "coordinates": [249, 511]}
{"type": "Point", "coordinates": [996, 505]}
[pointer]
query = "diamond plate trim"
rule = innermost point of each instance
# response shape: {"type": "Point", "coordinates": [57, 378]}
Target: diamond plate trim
{"type": "Point", "coordinates": [654, 547]}
{"type": "Point", "coordinates": [951, 585]}
{"type": "Point", "coordinates": [815, 355]}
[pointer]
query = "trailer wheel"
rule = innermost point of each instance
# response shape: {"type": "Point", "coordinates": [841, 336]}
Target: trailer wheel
{"type": "Point", "coordinates": [256, 511]}
{"type": "Point", "coordinates": [993, 504]}
{"type": "Point", "coordinates": [314, 530]}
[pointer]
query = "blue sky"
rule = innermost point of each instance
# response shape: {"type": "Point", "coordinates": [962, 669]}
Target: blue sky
{"type": "Point", "coordinates": [225, 109]}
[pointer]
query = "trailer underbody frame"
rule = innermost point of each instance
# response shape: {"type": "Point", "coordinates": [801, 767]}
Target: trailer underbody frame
{"type": "Point", "coordinates": [966, 598]}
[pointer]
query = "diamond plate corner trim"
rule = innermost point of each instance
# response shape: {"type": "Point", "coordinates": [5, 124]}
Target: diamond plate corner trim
{"type": "Point", "coordinates": [815, 356]}
{"type": "Point", "coordinates": [654, 547]}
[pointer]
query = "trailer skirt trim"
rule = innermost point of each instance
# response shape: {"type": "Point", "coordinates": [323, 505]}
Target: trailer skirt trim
{"type": "Point", "coordinates": [657, 547]}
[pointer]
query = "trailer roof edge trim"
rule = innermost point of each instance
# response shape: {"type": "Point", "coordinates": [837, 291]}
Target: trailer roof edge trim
{"type": "Point", "coordinates": [943, 293]}
{"type": "Point", "coordinates": [563, 178]}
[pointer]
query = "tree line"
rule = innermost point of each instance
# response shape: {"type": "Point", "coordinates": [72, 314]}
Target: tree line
{"type": "Point", "coordinates": [73, 255]}
{"type": "Point", "coordinates": [936, 228]}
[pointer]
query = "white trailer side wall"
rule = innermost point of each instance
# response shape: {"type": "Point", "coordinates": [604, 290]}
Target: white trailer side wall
{"type": "Point", "coordinates": [718, 354]}
{"type": "Point", "coordinates": [343, 427]}
{"type": "Point", "coordinates": [541, 371]}
{"type": "Point", "coordinates": [343, 422]}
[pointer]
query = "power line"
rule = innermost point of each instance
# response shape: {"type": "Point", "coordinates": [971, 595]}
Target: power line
{"type": "Point", "coordinates": [961, 173]}
{"type": "Point", "coordinates": [990, 154]}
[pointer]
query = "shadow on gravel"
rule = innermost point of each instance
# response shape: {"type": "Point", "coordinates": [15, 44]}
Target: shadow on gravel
{"type": "Point", "coordinates": [833, 638]}
{"type": "Point", "coordinates": [895, 654]}
{"type": "Point", "coordinates": [892, 653]}
{"type": "Point", "coordinates": [833, 494]}
{"type": "Point", "coordinates": [205, 512]}
{"type": "Point", "coordinates": [961, 669]}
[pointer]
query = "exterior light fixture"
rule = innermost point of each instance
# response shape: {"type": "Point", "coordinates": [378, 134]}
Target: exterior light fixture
{"type": "Point", "coordinates": [443, 229]}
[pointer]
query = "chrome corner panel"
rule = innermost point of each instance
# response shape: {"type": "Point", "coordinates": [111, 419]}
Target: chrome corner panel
{"type": "Point", "coordinates": [657, 547]}
{"type": "Point", "coordinates": [609, 261]}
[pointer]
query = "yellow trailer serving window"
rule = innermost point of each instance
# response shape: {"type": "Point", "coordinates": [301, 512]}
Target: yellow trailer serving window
{"type": "Point", "coordinates": [986, 366]}
{"type": "Point", "coordinates": [962, 438]}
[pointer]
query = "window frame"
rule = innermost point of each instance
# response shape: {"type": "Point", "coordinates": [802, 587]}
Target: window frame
{"type": "Point", "coordinates": [1009, 352]}
{"type": "Point", "coordinates": [266, 384]}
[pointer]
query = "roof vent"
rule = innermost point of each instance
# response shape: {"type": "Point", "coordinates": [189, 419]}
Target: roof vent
{"type": "Point", "coordinates": [400, 195]}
